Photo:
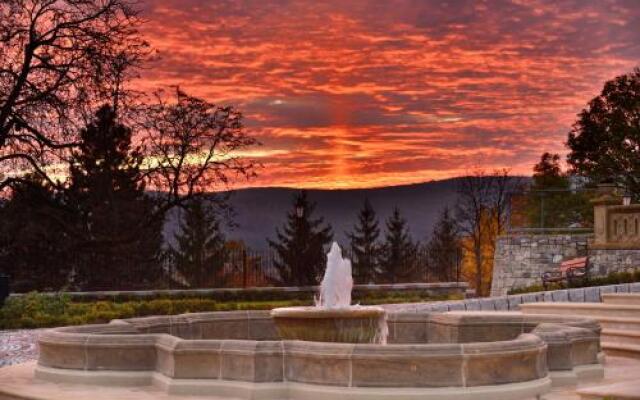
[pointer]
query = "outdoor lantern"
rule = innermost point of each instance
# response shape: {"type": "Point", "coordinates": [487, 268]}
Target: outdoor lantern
{"type": "Point", "coordinates": [299, 211]}
{"type": "Point", "coordinates": [626, 198]}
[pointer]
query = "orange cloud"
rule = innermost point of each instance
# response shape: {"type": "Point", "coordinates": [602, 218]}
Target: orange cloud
{"type": "Point", "coordinates": [367, 93]}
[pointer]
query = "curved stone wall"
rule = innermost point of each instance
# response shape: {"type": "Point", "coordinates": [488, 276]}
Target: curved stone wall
{"type": "Point", "coordinates": [463, 350]}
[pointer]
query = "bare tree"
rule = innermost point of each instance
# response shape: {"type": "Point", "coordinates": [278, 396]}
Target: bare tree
{"type": "Point", "coordinates": [192, 146]}
{"type": "Point", "coordinates": [502, 184]}
{"type": "Point", "coordinates": [59, 61]}
{"type": "Point", "coordinates": [481, 212]}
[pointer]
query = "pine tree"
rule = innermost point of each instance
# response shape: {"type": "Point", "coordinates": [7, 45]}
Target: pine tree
{"type": "Point", "coordinates": [33, 247]}
{"type": "Point", "coordinates": [397, 258]}
{"type": "Point", "coordinates": [300, 244]}
{"type": "Point", "coordinates": [200, 249]}
{"type": "Point", "coordinates": [444, 249]}
{"type": "Point", "coordinates": [110, 199]}
{"type": "Point", "coordinates": [364, 245]}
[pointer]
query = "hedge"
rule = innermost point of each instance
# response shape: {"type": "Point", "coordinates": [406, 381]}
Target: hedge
{"type": "Point", "coordinates": [35, 310]}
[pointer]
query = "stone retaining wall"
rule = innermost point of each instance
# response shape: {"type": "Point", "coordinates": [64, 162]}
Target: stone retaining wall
{"type": "Point", "coordinates": [520, 259]}
{"type": "Point", "coordinates": [604, 261]}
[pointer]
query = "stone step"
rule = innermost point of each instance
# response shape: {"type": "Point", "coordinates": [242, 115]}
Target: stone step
{"type": "Point", "coordinates": [616, 349]}
{"type": "Point", "coordinates": [618, 323]}
{"type": "Point", "coordinates": [629, 390]}
{"type": "Point", "coordinates": [593, 310]}
{"type": "Point", "coordinates": [621, 336]}
{"type": "Point", "coordinates": [621, 298]}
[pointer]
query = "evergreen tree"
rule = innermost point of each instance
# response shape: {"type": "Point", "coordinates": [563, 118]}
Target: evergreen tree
{"type": "Point", "coordinates": [300, 244]}
{"type": "Point", "coordinates": [397, 258]}
{"type": "Point", "coordinates": [33, 247]}
{"type": "Point", "coordinates": [444, 250]}
{"type": "Point", "coordinates": [107, 192]}
{"type": "Point", "coordinates": [364, 245]}
{"type": "Point", "coordinates": [200, 252]}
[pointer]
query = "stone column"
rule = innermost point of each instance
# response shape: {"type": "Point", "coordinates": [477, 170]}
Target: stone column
{"type": "Point", "coordinates": [606, 197]}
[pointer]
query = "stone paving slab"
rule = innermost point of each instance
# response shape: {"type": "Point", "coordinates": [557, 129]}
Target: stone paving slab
{"type": "Point", "coordinates": [18, 346]}
{"type": "Point", "coordinates": [624, 390]}
{"type": "Point", "coordinates": [618, 370]}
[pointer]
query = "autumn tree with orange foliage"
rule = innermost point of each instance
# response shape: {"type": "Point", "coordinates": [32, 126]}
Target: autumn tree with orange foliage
{"type": "Point", "coordinates": [481, 212]}
{"type": "Point", "coordinates": [478, 270]}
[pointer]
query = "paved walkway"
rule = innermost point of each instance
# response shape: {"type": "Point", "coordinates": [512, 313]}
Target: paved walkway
{"type": "Point", "coordinates": [617, 369]}
{"type": "Point", "coordinates": [18, 346]}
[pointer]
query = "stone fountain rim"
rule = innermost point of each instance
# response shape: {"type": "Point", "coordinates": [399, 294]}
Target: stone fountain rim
{"type": "Point", "coordinates": [311, 312]}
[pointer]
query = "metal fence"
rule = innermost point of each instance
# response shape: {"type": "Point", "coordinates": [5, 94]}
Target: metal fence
{"type": "Point", "coordinates": [237, 268]}
{"type": "Point", "coordinates": [551, 211]}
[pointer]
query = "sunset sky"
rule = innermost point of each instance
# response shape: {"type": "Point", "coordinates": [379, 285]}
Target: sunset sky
{"type": "Point", "coordinates": [352, 93]}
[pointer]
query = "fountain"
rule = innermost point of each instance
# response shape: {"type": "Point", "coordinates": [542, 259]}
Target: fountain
{"type": "Point", "coordinates": [333, 318]}
{"type": "Point", "coordinates": [329, 351]}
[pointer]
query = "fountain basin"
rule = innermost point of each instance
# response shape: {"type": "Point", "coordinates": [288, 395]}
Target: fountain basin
{"type": "Point", "coordinates": [239, 355]}
{"type": "Point", "coordinates": [345, 325]}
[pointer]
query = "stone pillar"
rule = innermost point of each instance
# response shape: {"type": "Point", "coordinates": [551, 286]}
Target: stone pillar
{"type": "Point", "coordinates": [606, 197]}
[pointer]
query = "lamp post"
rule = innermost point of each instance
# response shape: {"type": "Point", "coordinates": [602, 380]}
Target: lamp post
{"type": "Point", "coordinates": [299, 210]}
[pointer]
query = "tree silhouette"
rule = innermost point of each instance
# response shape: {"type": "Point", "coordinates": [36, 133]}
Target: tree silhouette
{"type": "Point", "coordinates": [547, 173]}
{"type": "Point", "coordinates": [59, 59]}
{"type": "Point", "coordinates": [300, 244]}
{"type": "Point", "coordinates": [364, 245]}
{"type": "Point", "coordinates": [605, 140]}
{"type": "Point", "coordinates": [550, 203]}
{"type": "Point", "coordinates": [107, 192]}
{"type": "Point", "coordinates": [444, 249]}
{"type": "Point", "coordinates": [200, 251]}
{"type": "Point", "coordinates": [398, 252]}
{"type": "Point", "coordinates": [34, 252]}
{"type": "Point", "coordinates": [192, 146]}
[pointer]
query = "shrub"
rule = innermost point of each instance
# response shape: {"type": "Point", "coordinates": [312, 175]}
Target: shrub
{"type": "Point", "coordinates": [613, 278]}
{"type": "Point", "coordinates": [36, 310]}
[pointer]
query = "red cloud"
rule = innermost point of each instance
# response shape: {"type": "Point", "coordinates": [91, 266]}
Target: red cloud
{"type": "Point", "coordinates": [369, 93]}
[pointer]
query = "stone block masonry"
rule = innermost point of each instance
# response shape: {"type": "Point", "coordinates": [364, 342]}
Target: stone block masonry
{"type": "Point", "coordinates": [520, 260]}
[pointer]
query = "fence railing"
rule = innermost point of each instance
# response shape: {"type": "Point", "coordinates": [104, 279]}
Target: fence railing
{"type": "Point", "coordinates": [551, 211]}
{"type": "Point", "coordinates": [237, 268]}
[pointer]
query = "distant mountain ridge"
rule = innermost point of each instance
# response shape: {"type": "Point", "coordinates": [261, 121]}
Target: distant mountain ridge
{"type": "Point", "coordinates": [258, 211]}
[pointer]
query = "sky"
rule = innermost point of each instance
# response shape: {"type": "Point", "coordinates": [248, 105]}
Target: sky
{"type": "Point", "coordinates": [368, 93]}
